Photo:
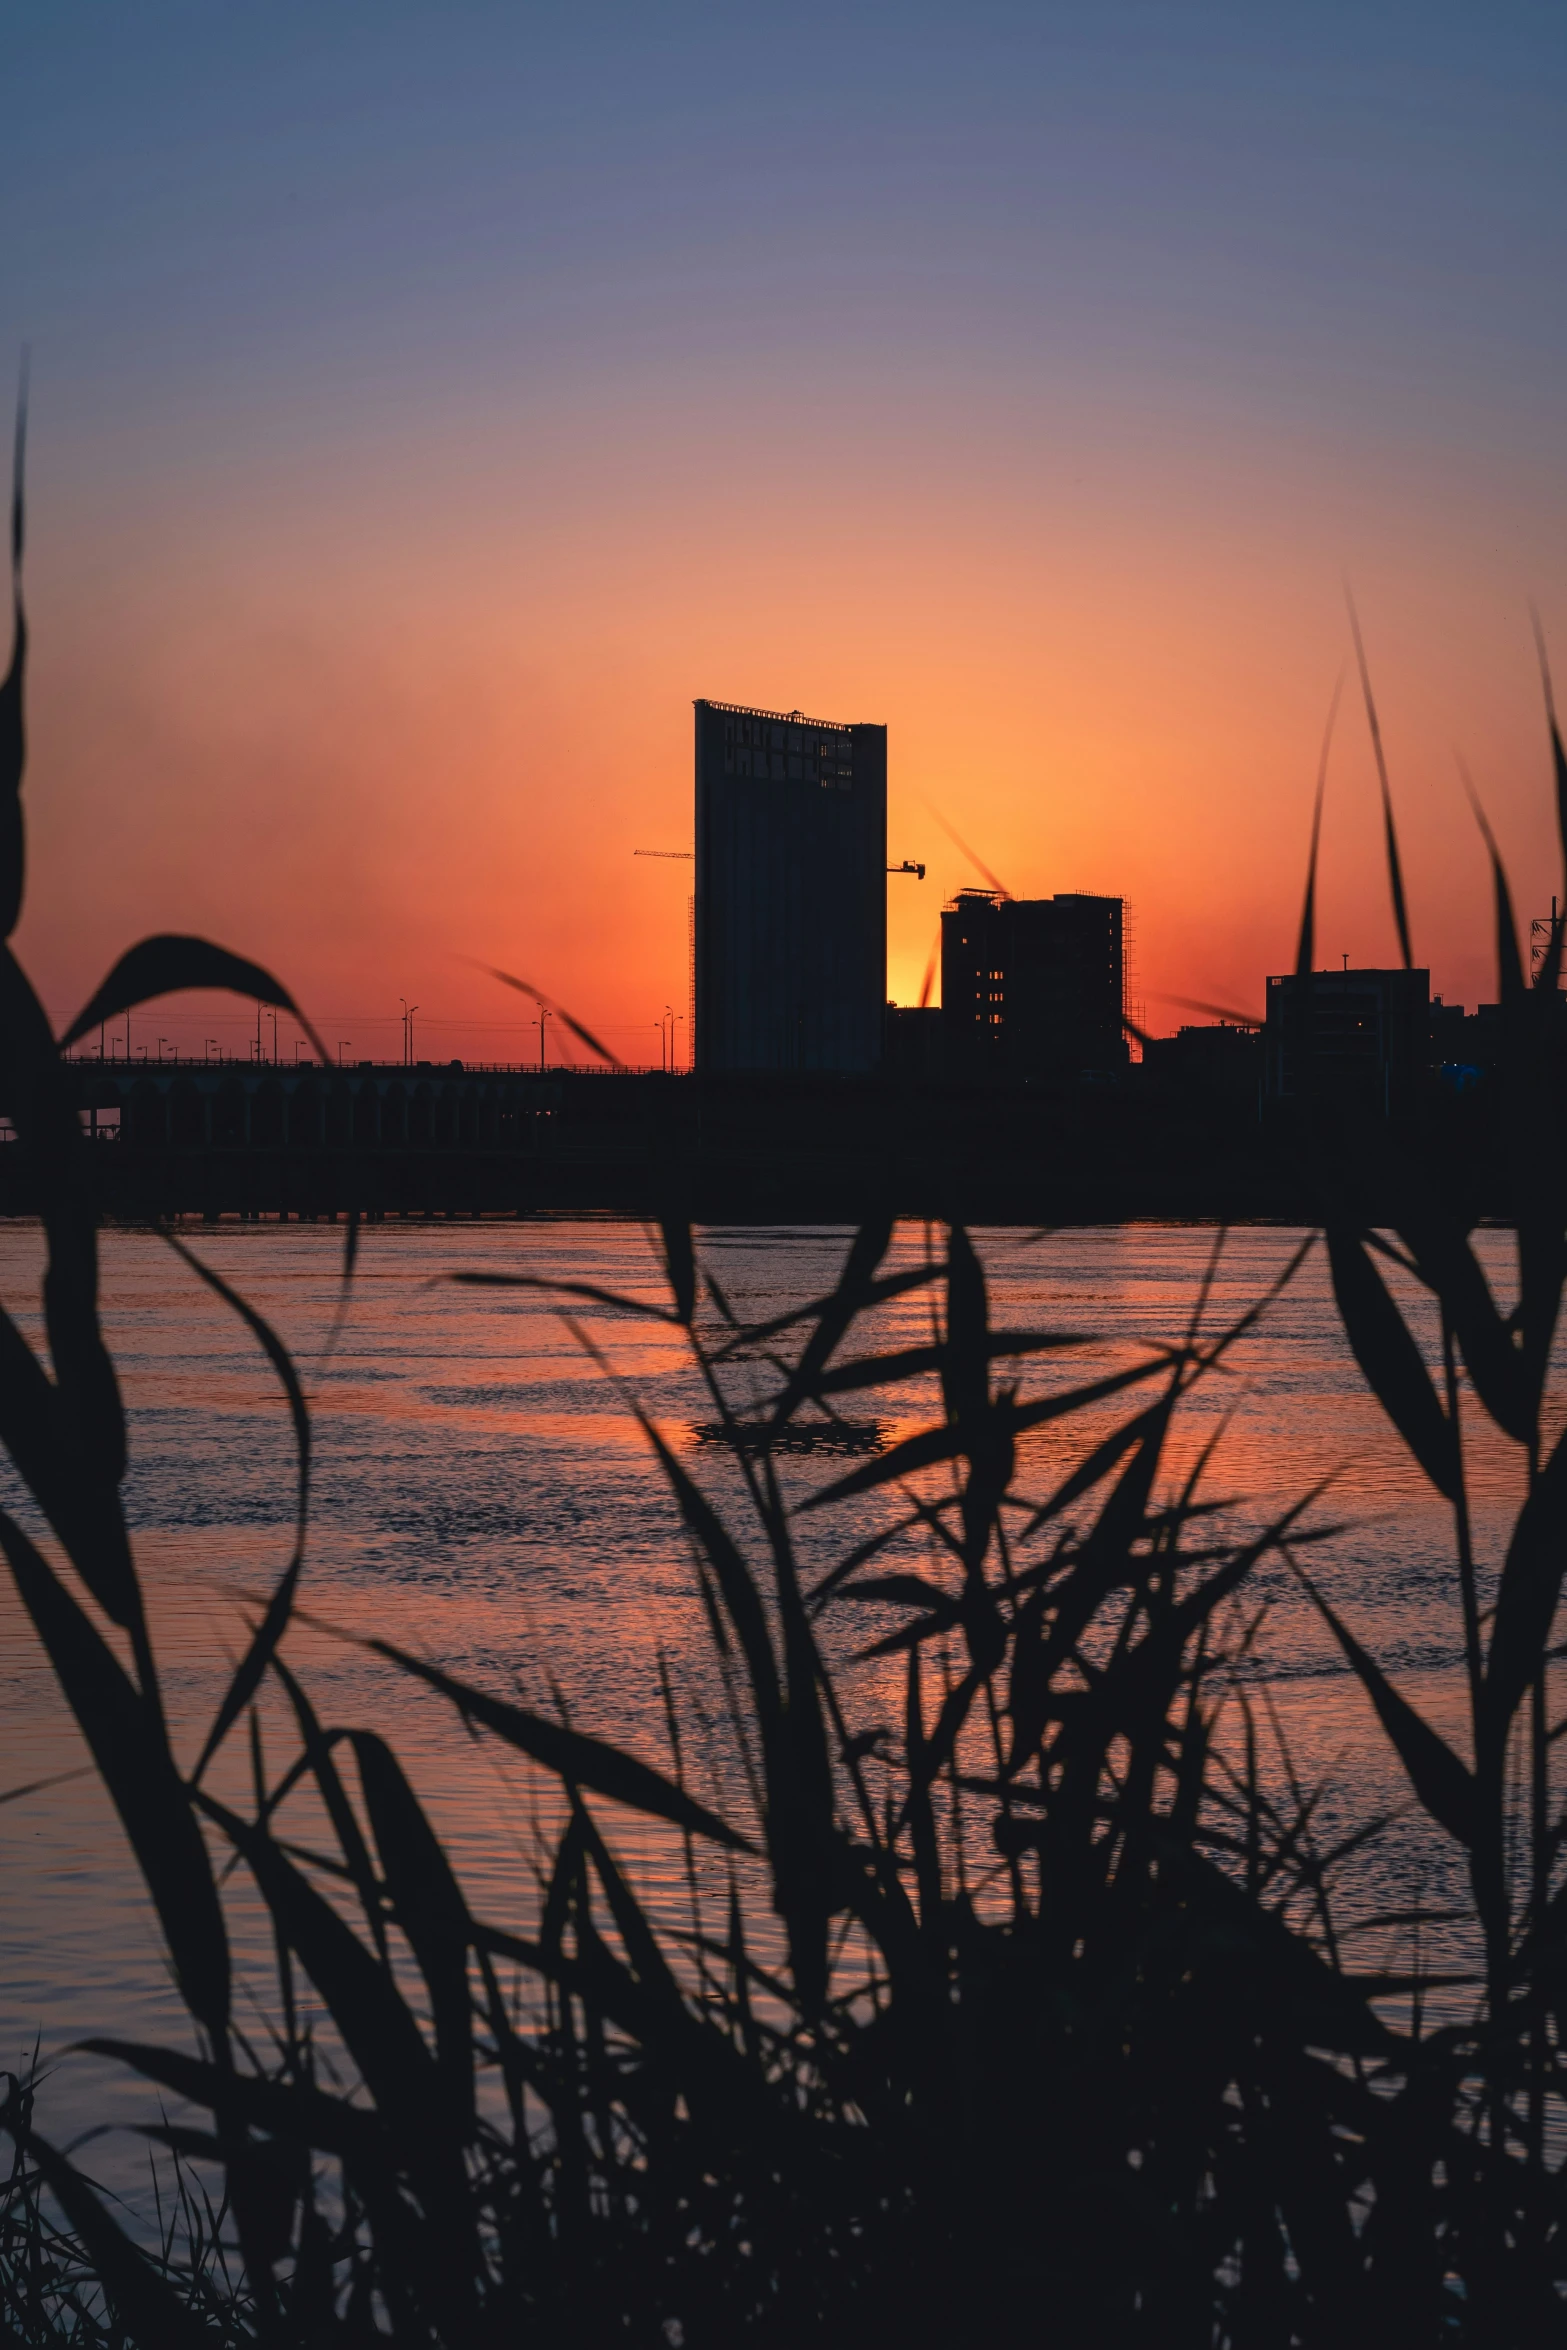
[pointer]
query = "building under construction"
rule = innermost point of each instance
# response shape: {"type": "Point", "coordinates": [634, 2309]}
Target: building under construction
{"type": "Point", "coordinates": [791, 891]}
{"type": "Point", "coordinates": [1033, 987]}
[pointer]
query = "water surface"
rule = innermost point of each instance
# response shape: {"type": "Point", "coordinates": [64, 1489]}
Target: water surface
{"type": "Point", "coordinates": [485, 1497]}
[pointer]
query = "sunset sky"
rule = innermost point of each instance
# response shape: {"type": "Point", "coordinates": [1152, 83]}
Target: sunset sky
{"type": "Point", "coordinates": [429, 401]}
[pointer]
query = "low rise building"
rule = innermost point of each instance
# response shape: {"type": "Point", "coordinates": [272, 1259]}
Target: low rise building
{"type": "Point", "coordinates": [1358, 1039]}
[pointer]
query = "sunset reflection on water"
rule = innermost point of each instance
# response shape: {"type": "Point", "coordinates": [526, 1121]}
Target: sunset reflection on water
{"type": "Point", "coordinates": [485, 1498]}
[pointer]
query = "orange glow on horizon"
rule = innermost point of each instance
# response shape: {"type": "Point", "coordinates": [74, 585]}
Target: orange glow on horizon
{"type": "Point", "coordinates": [363, 734]}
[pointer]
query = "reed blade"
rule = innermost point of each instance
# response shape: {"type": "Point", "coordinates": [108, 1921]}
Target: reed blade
{"type": "Point", "coordinates": [1509, 960]}
{"type": "Point", "coordinates": [1395, 872]}
{"type": "Point", "coordinates": [589, 1292]}
{"type": "Point", "coordinates": [1558, 753]}
{"type": "Point", "coordinates": [974, 859]}
{"type": "Point", "coordinates": [570, 1754]}
{"type": "Point", "coordinates": [138, 1771]}
{"type": "Point", "coordinates": [361, 1996]}
{"type": "Point", "coordinates": [1526, 1598]}
{"type": "Point", "coordinates": [429, 1907]}
{"type": "Point", "coordinates": [169, 964]}
{"type": "Point", "coordinates": [1442, 1782]}
{"type": "Point", "coordinates": [929, 980]}
{"type": "Point", "coordinates": [274, 1623]}
{"type": "Point", "coordinates": [84, 1512]}
{"type": "Point", "coordinates": [947, 1443]}
{"type": "Point", "coordinates": [13, 731]}
{"type": "Point", "coordinates": [556, 1011]}
{"type": "Point", "coordinates": [149, 2310]}
{"type": "Point", "coordinates": [1380, 1341]}
{"type": "Point", "coordinates": [1305, 952]}
{"type": "Point", "coordinates": [680, 1265]}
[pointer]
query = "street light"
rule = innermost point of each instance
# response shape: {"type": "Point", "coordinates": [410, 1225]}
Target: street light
{"type": "Point", "coordinates": [162, 1041]}
{"type": "Point", "coordinates": [539, 1025]}
{"type": "Point", "coordinates": [343, 1044]}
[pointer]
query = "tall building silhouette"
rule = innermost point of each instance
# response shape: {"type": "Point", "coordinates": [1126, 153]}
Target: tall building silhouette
{"type": "Point", "coordinates": [791, 890]}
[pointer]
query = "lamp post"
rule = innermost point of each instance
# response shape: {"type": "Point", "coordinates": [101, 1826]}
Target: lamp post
{"type": "Point", "coordinates": [539, 1025]}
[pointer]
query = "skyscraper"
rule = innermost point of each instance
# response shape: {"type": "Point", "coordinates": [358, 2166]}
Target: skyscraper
{"type": "Point", "coordinates": [791, 890]}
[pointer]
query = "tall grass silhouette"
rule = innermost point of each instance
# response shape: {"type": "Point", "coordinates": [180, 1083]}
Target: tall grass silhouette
{"type": "Point", "coordinates": [1012, 2007]}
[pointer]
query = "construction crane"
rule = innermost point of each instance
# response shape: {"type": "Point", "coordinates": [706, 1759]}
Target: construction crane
{"type": "Point", "coordinates": [908, 865]}
{"type": "Point", "coordinates": [687, 854]}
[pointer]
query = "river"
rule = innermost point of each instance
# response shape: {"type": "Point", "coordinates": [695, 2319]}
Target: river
{"type": "Point", "coordinates": [485, 1498]}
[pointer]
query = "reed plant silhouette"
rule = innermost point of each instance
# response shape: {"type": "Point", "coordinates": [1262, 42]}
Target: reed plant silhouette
{"type": "Point", "coordinates": [1011, 2003]}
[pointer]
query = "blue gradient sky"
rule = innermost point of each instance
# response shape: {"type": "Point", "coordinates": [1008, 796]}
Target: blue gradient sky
{"type": "Point", "coordinates": [428, 402]}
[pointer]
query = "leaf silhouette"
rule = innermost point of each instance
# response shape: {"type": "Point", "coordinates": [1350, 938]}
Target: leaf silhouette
{"type": "Point", "coordinates": [1306, 949]}
{"type": "Point", "coordinates": [1447, 1263]}
{"type": "Point", "coordinates": [1526, 1596]}
{"type": "Point", "coordinates": [169, 963]}
{"type": "Point", "coordinates": [591, 1762]}
{"type": "Point", "coordinates": [1558, 754]}
{"type": "Point", "coordinates": [136, 1767]}
{"type": "Point", "coordinates": [139, 2294]}
{"type": "Point", "coordinates": [275, 1621]}
{"type": "Point", "coordinates": [947, 1443]}
{"type": "Point", "coordinates": [1438, 1778]}
{"type": "Point", "coordinates": [680, 1264]}
{"type": "Point", "coordinates": [377, 2027]}
{"type": "Point", "coordinates": [35, 1429]}
{"type": "Point", "coordinates": [588, 1291]}
{"type": "Point", "coordinates": [1395, 872]}
{"type": "Point", "coordinates": [1509, 962]}
{"type": "Point", "coordinates": [429, 1907]}
{"type": "Point", "coordinates": [286, 2108]}
{"type": "Point", "coordinates": [1391, 1360]}
{"type": "Point", "coordinates": [13, 736]}
{"type": "Point", "coordinates": [555, 1010]}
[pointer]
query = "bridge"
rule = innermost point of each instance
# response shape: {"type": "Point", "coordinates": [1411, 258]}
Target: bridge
{"type": "Point", "coordinates": [268, 1140]}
